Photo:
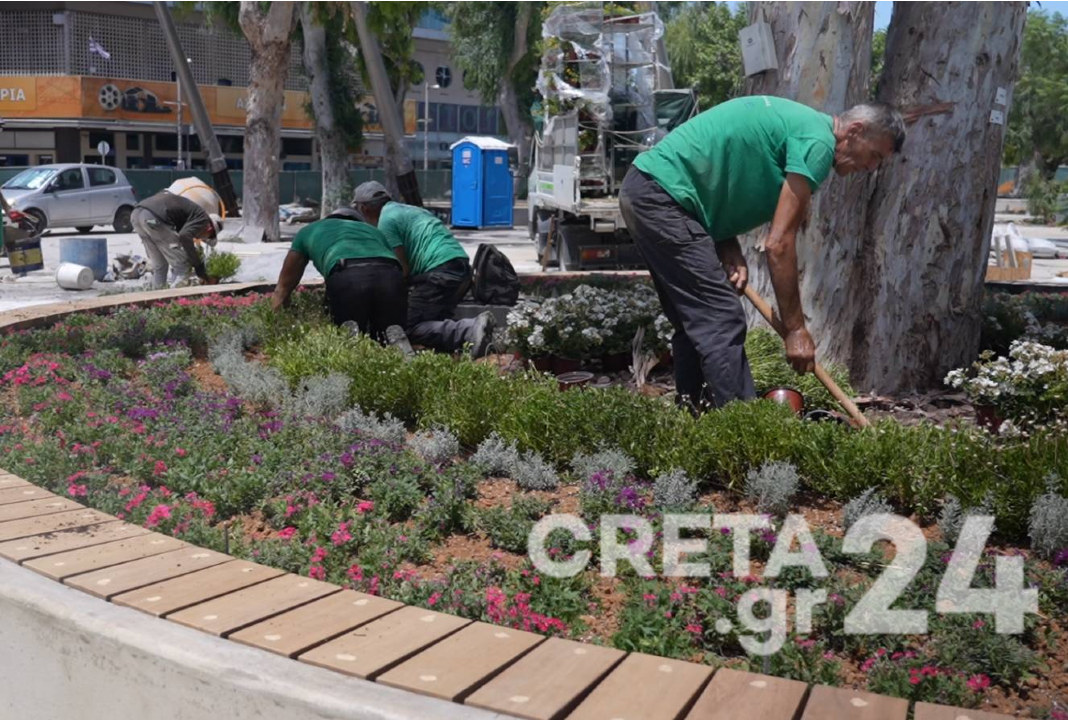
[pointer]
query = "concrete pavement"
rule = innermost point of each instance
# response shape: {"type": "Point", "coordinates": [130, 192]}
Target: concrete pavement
{"type": "Point", "coordinates": [259, 262]}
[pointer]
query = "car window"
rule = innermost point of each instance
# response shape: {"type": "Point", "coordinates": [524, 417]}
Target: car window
{"type": "Point", "coordinates": [31, 179]}
{"type": "Point", "coordinates": [70, 179]}
{"type": "Point", "coordinates": [101, 176]}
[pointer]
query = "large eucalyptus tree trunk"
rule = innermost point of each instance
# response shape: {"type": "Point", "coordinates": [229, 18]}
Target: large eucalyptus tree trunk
{"type": "Point", "coordinates": [268, 33]}
{"type": "Point", "coordinates": [893, 263]}
{"type": "Point", "coordinates": [930, 215]}
{"type": "Point", "coordinates": [824, 52]}
{"type": "Point", "coordinates": [333, 152]}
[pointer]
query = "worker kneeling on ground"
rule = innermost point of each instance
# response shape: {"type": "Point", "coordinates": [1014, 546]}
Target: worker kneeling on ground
{"type": "Point", "coordinates": [168, 225]}
{"type": "Point", "coordinates": [438, 270]}
{"type": "Point", "coordinates": [725, 172]}
{"type": "Point", "coordinates": [364, 280]}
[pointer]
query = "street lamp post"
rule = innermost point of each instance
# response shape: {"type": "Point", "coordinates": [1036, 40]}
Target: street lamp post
{"type": "Point", "coordinates": [180, 164]}
{"type": "Point", "coordinates": [426, 122]}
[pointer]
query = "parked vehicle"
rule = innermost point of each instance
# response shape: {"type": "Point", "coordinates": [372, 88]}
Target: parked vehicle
{"type": "Point", "coordinates": [607, 95]}
{"type": "Point", "coordinates": [72, 195]}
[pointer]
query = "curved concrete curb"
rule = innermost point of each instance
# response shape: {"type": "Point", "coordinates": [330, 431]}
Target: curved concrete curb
{"type": "Point", "coordinates": [65, 654]}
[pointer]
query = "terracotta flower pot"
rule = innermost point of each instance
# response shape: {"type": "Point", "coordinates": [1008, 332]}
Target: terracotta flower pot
{"type": "Point", "coordinates": [789, 396]}
{"type": "Point", "coordinates": [561, 365]}
{"type": "Point", "coordinates": [570, 380]}
{"type": "Point", "coordinates": [987, 417]}
{"type": "Point", "coordinates": [615, 362]}
{"type": "Point", "coordinates": [541, 363]}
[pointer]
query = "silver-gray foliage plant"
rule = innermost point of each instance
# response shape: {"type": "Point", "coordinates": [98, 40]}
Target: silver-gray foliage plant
{"type": "Point", "coordinates": [1048, 524]}
{"type": "Point", "coordinates": [613, 461]}
{"type": "Point", "coordinates": [772, 487]}
{"type": "Point", "coordinates": [531, 472]}
{"type": "Point", "coordinates": [323, 396]}
{"type": "Point", "coordinates": [251, 381]}
{"type": "Point", "coordinates": [869, 502]}
{"type": "Point", "coordinates": [436, 446]}
{"type": "Point", "coordinates": [494, 457]}
{"type": "Point", "coordinates": [674, 491]}
{"type": "Point", "coordinates": [387, 428]}
{"type": "Point", "coordinates": [951, 518]}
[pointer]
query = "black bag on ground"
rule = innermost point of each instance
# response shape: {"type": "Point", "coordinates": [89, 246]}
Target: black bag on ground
{"type": "Point", "coordinates": [496, 282]}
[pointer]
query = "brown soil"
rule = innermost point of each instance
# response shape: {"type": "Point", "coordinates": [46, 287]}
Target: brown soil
{"type": "Point", "coordinates": [206, 378]}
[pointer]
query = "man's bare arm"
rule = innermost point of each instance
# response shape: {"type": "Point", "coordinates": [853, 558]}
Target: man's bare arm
{"type": "Point", "coordinates": [289, 278]}
{"type": "Point", "coordinates": [781, 250]}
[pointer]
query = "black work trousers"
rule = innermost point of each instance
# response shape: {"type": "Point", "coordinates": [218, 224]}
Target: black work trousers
{"type": "Point", "coordinates": [708, 345]}
{"type": "Point", "coordinates": [432, 299]}
{"type": "Point", "coordinates": [370, 292]}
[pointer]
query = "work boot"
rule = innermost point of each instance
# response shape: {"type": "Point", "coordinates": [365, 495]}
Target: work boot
{"type": "Point", "coordinates": [482, 334]}
{"type": "Point", "coordinates": [396, 337]}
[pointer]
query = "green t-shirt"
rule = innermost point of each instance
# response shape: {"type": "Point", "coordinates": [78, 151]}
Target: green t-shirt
{"type": "Point", "coordinates": [726, 166]}
{"type": "Point", "coordinates": [426, 240]}
{"type": "Point", "coordinates": [327, 241]}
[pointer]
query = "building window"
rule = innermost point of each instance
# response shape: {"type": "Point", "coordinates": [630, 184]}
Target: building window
{"type": "Point", "coordinates": [14, 160]}
{"type": "Point", "coordinates": [296, 146]}
{"type": "Point", "coordinates": [234, 144]}
{"type": "Point", "coordinates": [135, 163]}
{"type": "Point", "coordinates": [95, 138]}
{"type": "Point", "coordinates": [167, 143]}
{"type": "Point", "coordinates": [443, 76]}
{"type": "Point", "coordinates": [45, 159]}
{"type": "Point", "coordinates": [133, 141]}
{"type": "Point", "coordinates": [469, 119]}
{"type": "Point", "coordinates": [487, 121]}
{"type": "Point", "coordinates": [446, 117]}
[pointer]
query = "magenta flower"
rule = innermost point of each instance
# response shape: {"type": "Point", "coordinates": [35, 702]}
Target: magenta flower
{"type": "Point", "coordinates": [287, 533]}
{"type": "Point", "coordinates": [159, 513]}
{"type": "Point", "coordinates": [978, 683]}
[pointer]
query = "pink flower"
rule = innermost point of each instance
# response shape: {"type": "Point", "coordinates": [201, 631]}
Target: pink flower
{"type": "Point", "coordinates": [867, 665]}
{"type": "Point", "coordinates": [355, 573]}
{"type": "Point", "coordinates": [829, 655]}
{"type": "Point", "coordinates": [341, 535]}
{"type": "Point", "coordinates": [915, 680]}
{"type": "Point", "coordinates": [978, 624]}
{"type": "Point", "coordinates": [180, 452]}
{"type": "Point", "coordinates": [365, 507]}
{"type": "Point", "coordinates": [160, 512]}
{"type": "Point", "coordinates": [649, 598]}
{"type": "Point", "coordinates": [667, 614]}
{"type": "Point", "coordinates": [316, 572]}
{"type": "Point", "coordinates": [291, 510]}
{"type": "Point", "coordinates": [287, 533]}
{"type": "Point", "coordinates": [806, 644]}
{"type": "Point", "coordinates": [978, 683]}
{"type": "Point", "coordinates": [160, 468]}
{"type": "Point", "coordinates": [695, 629]}
{"type": "Point", "coordinates": [319, 555]}
{"type": "Point", "coordinates": [433, 599]}
{"type": "Point", "coordinates": [77, 490]}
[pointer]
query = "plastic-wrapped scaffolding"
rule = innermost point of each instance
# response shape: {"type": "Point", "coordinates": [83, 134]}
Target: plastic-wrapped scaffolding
{"type": "Point", "coordinates": [597, 80]}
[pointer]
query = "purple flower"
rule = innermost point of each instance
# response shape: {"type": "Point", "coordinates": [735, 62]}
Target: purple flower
{"type": "Point", "coordinates": [1061, 558]}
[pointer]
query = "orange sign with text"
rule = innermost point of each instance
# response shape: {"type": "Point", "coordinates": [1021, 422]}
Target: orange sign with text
{"type": "Point", "coordinates": [67, 96]}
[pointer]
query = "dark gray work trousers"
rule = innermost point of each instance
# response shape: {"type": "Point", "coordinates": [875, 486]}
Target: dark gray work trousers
{"type": "Point", "coordinates": [708, 345]}
{"type": "Point", "coordinates": [432, 298]}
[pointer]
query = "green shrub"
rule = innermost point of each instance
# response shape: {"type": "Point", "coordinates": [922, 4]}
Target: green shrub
{"type": "Point", "coordinates": [221, 265]}
{"type": "Point", "coordinates": [767, 361]}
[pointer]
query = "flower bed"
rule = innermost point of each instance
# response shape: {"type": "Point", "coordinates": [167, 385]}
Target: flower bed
{"type": "Point", "coordinates": [287, 441]}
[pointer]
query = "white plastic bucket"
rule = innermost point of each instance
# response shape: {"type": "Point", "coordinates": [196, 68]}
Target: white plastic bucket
{"type": "Point", "coordinates": [74, 277]}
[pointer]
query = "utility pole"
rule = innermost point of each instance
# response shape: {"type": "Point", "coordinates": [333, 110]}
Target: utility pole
{"type": "Point", "coordinates": [216, 159]}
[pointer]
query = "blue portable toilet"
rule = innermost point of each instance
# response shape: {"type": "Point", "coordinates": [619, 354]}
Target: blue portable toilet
{"type": "Point", "coordinates": [481, 183]}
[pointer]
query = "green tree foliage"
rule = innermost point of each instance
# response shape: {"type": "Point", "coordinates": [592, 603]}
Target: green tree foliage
{"type": "Point", "coordinates": [345, 88]}
{"type": "Point", "coordinates": [878, 57]}
{"type": "Point", "coordinates": [392, 23]}
{"type": "Point", "coordinates": [1038, 123]}
{"type": "Point", "coordinates": [703, 48]}
{"type": "Point", "coordinates": [483, 35]}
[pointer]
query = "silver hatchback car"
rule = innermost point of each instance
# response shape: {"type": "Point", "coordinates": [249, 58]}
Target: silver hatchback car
{"type": "Point", "coordinates": [78, 196]}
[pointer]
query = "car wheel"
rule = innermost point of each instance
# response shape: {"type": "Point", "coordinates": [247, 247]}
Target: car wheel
{"type": "Point", "coordinates": [42, 221]}
{"type": "Point", "coordinates": [83, 229]}
{"type": "Point", "coordinates": [122, 220]}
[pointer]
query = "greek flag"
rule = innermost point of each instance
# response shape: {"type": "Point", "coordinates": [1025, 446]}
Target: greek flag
{"type": "Point", "coordinates": [95, 47]}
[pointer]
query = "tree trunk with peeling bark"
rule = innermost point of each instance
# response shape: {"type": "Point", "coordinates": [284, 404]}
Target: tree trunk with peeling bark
{"type": "Point", "coordinates": [519, 130]}
{"type": "Point", "coordinates": [268, 34]}
{"type": "Point", "coordinates": [333, 151]}
{"type": "Point", "coordinates": [824, 52]}
{"type": "Point", "coordinates": [931, 211]}
{"type": "Point", "coordinates": [892, 263]}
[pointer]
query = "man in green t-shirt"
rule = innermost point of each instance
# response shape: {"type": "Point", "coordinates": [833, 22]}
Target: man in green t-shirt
{"type": "Point", "coordinates": [725, 172]}
{"type": "Point", "coordinates": [438, 270]}
{"type": "Point", "coordinates": [364, 280]}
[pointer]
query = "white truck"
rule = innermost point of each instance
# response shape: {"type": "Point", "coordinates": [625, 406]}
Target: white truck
{"type": "Point", "coordinates": [606, 95]}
